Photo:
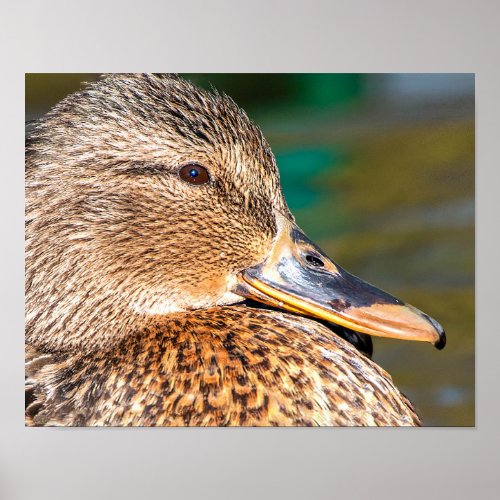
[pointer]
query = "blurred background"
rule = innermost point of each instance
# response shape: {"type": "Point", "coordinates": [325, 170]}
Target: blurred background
{"type": "Point", "coordinates": [379, 172]}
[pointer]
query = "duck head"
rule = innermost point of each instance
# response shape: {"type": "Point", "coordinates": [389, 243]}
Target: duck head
{"type": "Point", "coordinates": [147, 196]}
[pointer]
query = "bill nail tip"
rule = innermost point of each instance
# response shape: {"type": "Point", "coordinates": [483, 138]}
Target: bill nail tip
{"type": "Point", "coordinates": [441, 342]}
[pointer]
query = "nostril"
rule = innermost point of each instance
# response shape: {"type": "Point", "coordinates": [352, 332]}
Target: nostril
{"type": "Point", "coordinates": [314, 261]}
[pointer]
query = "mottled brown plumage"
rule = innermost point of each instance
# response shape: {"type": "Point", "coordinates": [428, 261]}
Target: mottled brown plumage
{"type": "Point", "coordinates": [131, 272]}
{"type": "Point", "coordinates": [222, 366]}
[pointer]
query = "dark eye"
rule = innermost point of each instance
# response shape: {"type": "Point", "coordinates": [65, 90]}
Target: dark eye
{"type": "Point", "coordinates": [194, 174]}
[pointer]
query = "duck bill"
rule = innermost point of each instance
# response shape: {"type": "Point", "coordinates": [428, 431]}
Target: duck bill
{"type": "Point", "coordinates": [299, 277]}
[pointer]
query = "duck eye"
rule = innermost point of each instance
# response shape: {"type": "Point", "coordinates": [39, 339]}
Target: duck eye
{"type": "Point", "coordinates": [194, 174]}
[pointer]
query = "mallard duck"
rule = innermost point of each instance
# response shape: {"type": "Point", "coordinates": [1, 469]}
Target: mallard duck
{"type": "Point", "coordinates": [155, 223]}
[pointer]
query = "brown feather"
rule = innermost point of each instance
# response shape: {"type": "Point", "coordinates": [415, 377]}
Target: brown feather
{"type": "Point", "coordinates": [221, 366]}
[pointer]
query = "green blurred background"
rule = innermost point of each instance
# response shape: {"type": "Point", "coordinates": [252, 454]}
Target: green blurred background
{"type": "Point", "coordinates": [379, 171]}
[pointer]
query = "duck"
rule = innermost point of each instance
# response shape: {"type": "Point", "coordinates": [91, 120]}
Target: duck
{"type": "Point", "coordinates": [168, 284]}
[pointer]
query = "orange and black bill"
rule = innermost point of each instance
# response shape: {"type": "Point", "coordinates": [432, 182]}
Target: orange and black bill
{"type": "Point", "coordinates": [299, 277]}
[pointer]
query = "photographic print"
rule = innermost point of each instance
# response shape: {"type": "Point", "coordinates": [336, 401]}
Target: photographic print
{"type": "Point", "coordinates": [249, 250]}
